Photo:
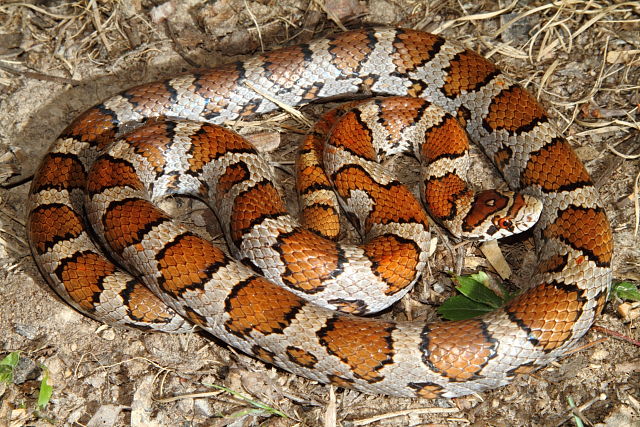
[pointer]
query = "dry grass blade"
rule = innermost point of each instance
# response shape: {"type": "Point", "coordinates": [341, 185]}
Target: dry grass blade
{"type": "Point", "coordinates": [547, 74]}
{"type": "Point", "coordinates": [330, 411]}
{"type": "Point", "coordinates": [584, 27]}
{"type": "Point", "coordinates": [330, 14]}
{"type": "Point", "coordinates": [624, 156]}
{"type": "Point", "coordinates": [519, 17]}
{"type": "Point", "coordinates": [35, 8]}
{"type": "Point", "coordinates": [297, 115]}
{"type": "Point", "coordinates": [255, 22]}
{"type": "Point", "coordinates": [475, 17]}
{"type": "Point", "coordinates": [493, 254]}
{"type": "Point", "coordinates": [417, 411]}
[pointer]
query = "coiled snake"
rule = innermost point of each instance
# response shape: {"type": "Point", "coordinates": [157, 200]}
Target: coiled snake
{"type": "Point", "coordinates": [192, 277]}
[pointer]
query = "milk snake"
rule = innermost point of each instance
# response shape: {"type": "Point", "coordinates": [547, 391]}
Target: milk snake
{"type": "Point", "coordinates": [231, 300]}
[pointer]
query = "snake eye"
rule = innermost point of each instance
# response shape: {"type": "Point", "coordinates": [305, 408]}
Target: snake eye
{"type": "Point", "coordinates": [505, 223]}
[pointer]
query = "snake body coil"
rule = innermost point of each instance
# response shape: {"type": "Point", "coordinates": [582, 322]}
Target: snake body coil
{"type": "Point", "coordinates": [192, 277]}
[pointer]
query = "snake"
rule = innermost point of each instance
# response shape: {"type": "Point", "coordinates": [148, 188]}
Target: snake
{"type": "Point", "coordinates": [288, 293]}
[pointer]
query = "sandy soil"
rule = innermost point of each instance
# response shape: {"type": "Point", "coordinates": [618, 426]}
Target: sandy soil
{"type": "Point", "coordinates": [57, 59]}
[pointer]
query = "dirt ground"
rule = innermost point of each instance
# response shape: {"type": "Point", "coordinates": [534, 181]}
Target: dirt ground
{"type": "Point", "coordinates": [57, 58]}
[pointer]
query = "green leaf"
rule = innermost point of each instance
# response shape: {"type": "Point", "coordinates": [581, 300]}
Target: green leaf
{"type": "Point", "coordinates": [460, 307]}
{"type": "Point", "coordinates": [476, 299]}
{"type": "Point", "coordinates": [473, 286]}
{"type": "Point", "coordinates": [7, 365]}
{"type": "Point", "coordinates": [11, 359]}
{"type": "Point", "coordinates": [576, 418]}
{"type": "Point", "coordinates": [626, 291]}
{"type": "Point", "coordinates": [44, 396]}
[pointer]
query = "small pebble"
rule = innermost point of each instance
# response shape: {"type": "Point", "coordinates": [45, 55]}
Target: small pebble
{"type": "Point", "coordinates": [105, 416]}
{"type": "Point", "coordinates": [25, 370]}
{"type": "Point", "coordinates": [108, 335]}
{"type": "Point", "coordinates": [28, 331]}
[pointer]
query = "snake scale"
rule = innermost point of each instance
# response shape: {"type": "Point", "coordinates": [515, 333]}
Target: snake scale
{"type": "Point", "coordinates": [278, 309]}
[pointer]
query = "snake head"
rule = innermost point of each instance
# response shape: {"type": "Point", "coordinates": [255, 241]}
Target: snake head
{"type": "Point", "coordinates": [495, 214]}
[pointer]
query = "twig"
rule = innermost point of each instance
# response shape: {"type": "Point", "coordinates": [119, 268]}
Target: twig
{"type": "Point", "coordinates": [97, 23]}
{"type": "Point", "coordinates": [188, 396]}
{"type": "Point", "coordinates": [40, 76]}
{"type": "Point", "coordinates": [586, 346]}
{"type": "Point", "coordinates": [613, 165]}
{"type": "Point", "coordinates": [616, 334]}
{"type": "Point", "coordinates": [178, 46]}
